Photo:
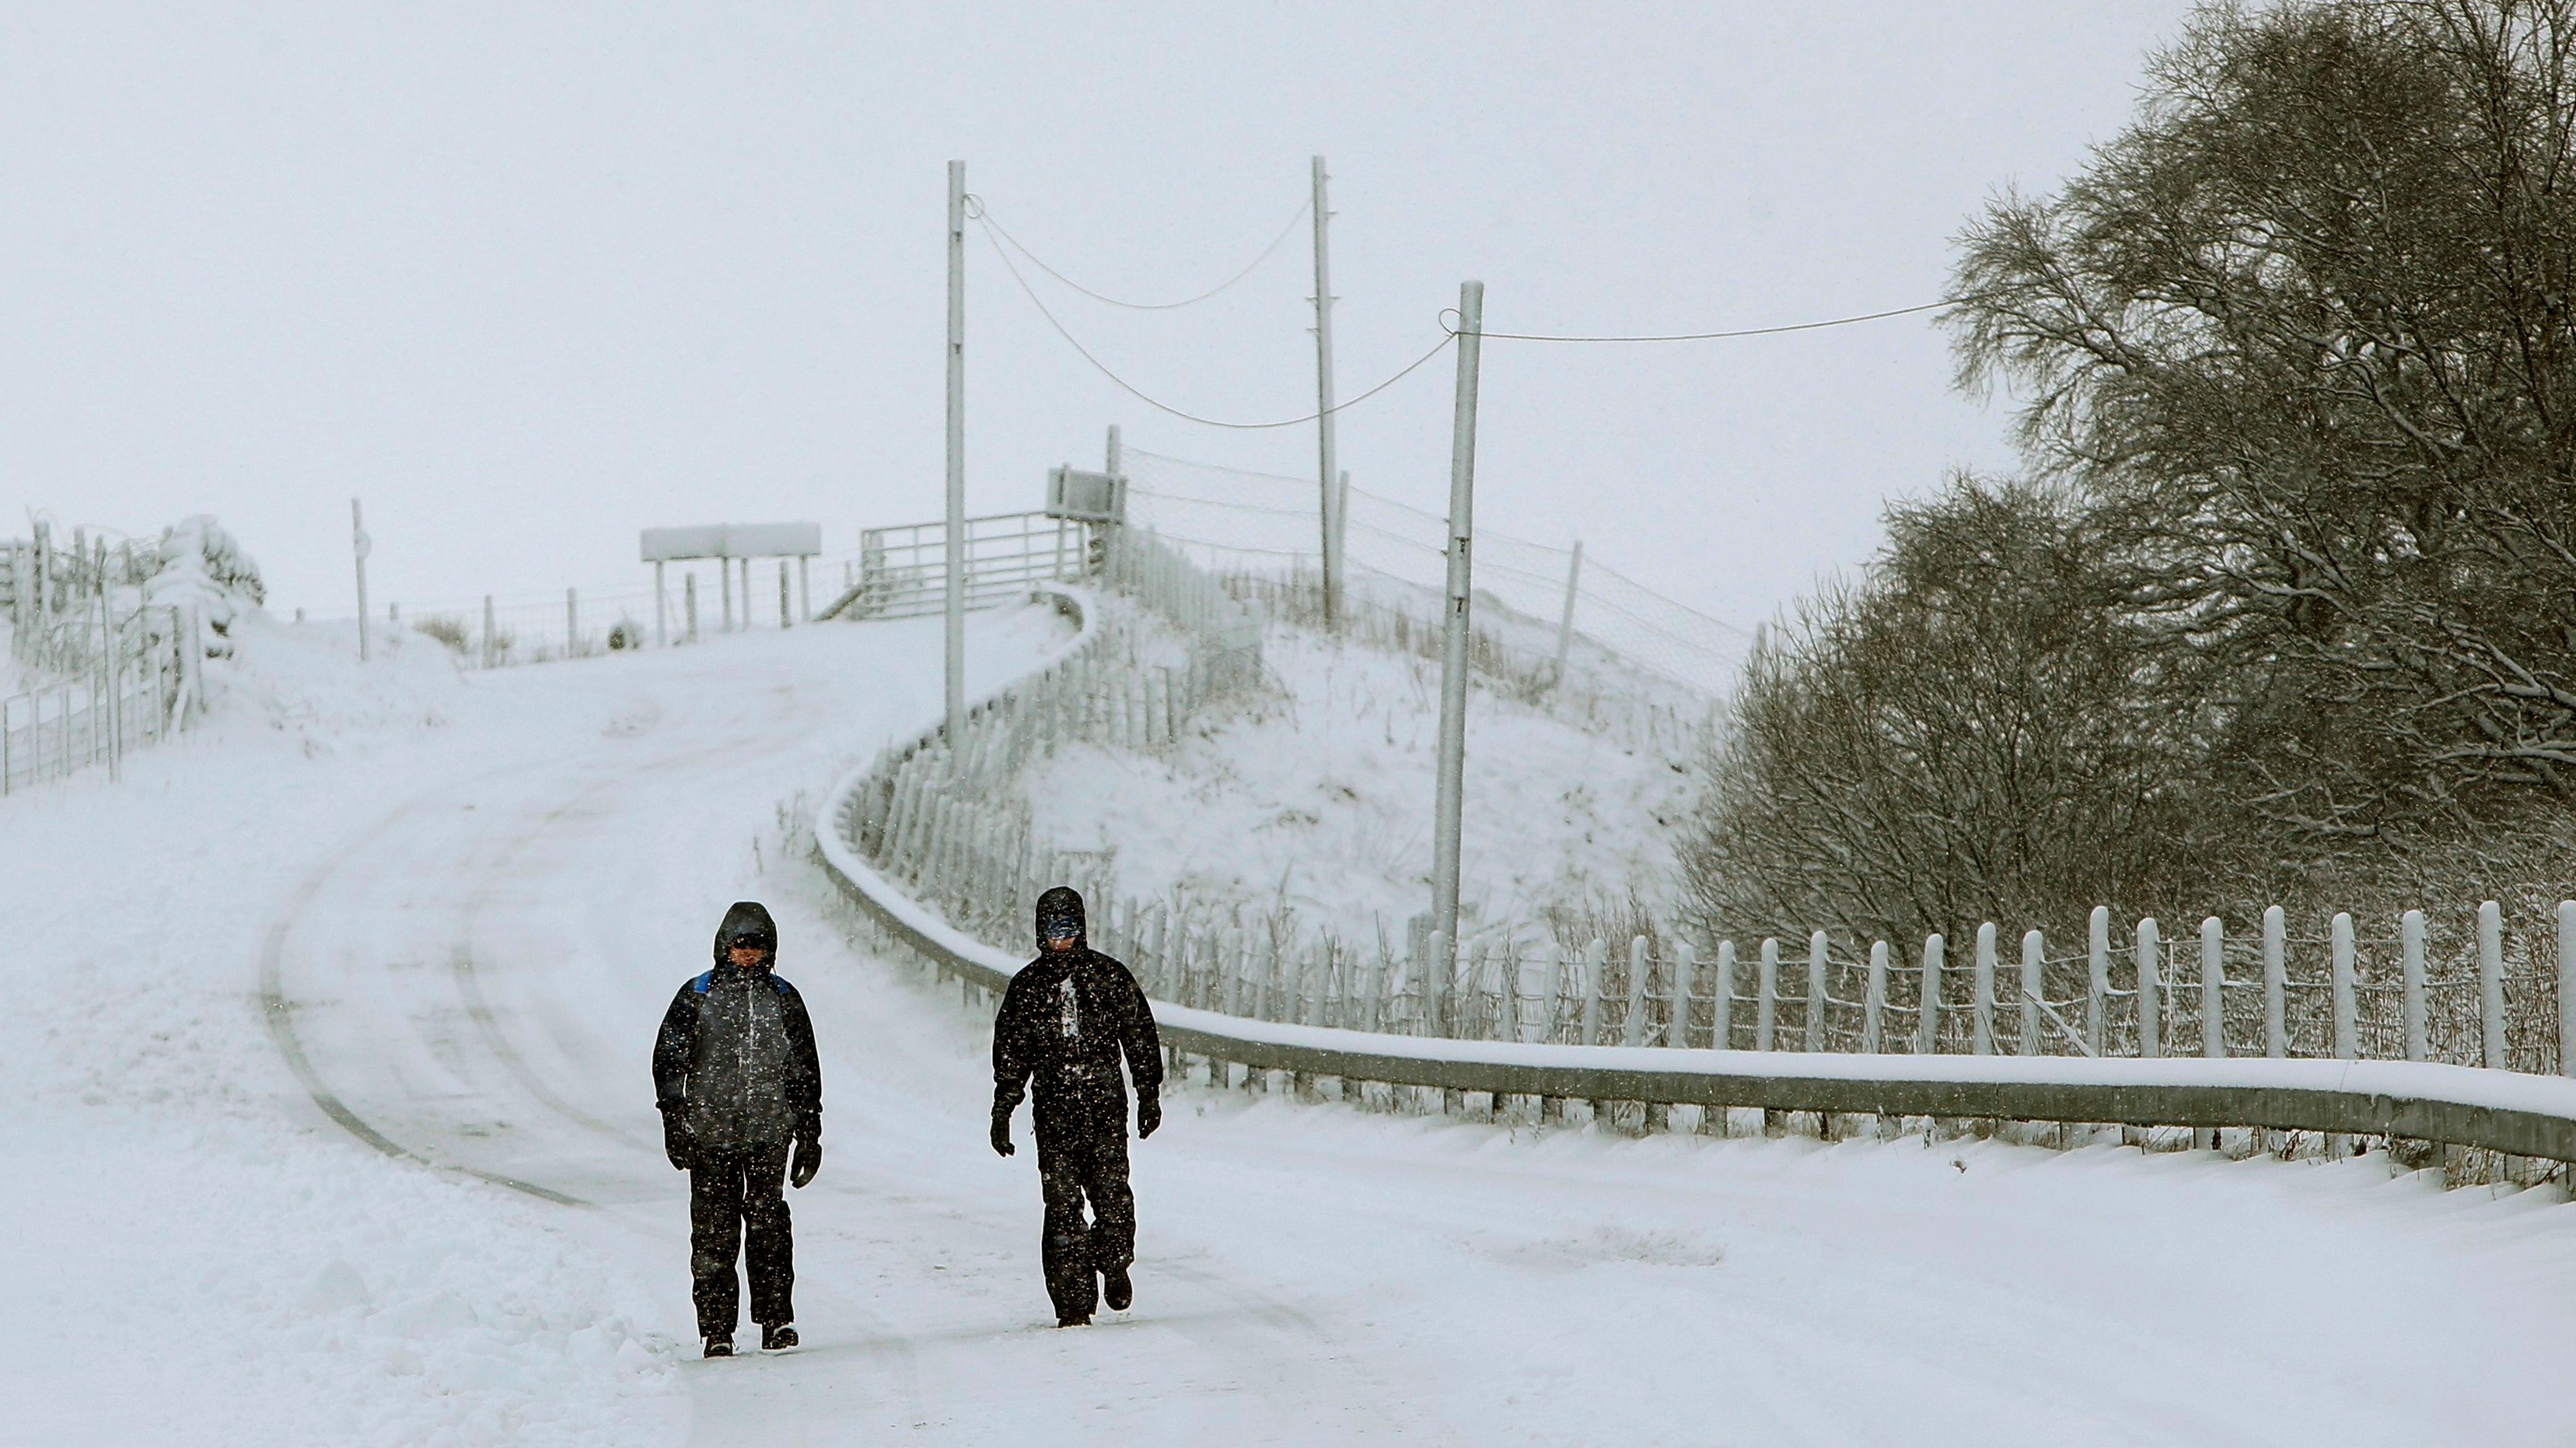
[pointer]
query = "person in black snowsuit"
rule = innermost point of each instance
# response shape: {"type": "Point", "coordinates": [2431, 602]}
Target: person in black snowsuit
{"type": "Point", "coordinates": [735, 1074]}
{"type": "Point", "coordinates": [1065, 1020]}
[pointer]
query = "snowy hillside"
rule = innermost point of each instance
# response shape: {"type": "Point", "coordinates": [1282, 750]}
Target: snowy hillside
{"type": "Point", "coordinates": [1316, 793]}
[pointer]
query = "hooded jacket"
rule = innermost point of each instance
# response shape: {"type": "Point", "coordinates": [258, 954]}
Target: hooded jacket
{"type": "Point", "coordinates": [735, 1055]}
{"type": "Point", "coordinates": [1065, 1021]}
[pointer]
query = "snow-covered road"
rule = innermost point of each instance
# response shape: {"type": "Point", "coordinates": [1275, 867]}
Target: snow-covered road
{"type": "Point", "coordinates": [470, 940]}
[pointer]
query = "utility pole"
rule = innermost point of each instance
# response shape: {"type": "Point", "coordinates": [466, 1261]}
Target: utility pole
{"type": "Point", "coordinates": [359, 546]}
{"type": "Point", "coordinates": [1326, 471]}
{"type": "Point", "coordinates": [1453, 636]}
{"type": "Point", "coordinates": [956, 530]}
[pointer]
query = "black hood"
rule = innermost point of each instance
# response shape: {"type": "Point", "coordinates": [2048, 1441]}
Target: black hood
{"type": "Point", "coordinates": [1059, 904]}
{"type": "Point", "coordinates": [747, 922]}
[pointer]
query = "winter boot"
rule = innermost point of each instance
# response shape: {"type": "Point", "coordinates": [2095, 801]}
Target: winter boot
{"type": "Point", "coordinates": [720, 1345]}
{"type": "Point", "coordinates": [1115, 1289]}
{"type": "Point", "coordinates": [1079, 1319]}
{"type": "Point", "coordinates": [777, 1337]}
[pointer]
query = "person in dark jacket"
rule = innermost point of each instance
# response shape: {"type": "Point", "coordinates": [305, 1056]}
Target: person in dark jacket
{"type": "Point", "coordinates": [1065, 1020]}
{"type": "Point", "coordinates": [735, 1074]}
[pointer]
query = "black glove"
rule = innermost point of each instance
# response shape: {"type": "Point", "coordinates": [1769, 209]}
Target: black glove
{"type": "Point", "coordinates": [1149, 1114]}
{"type": "Point", "coordinates": [676, 1143]}
{"type": "Point", "coordinates": [807, 1160]}
{"type": "Point", "coordinates": [1002, 1131]}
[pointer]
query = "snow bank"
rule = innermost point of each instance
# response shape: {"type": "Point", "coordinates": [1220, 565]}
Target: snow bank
{"type": "Point", "coordinates": [1318, 796]}
{"type": "Point", "coordinates": [186, 1266]}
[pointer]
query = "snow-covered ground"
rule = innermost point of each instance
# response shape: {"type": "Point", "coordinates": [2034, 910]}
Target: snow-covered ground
{"type": "Point", "coordinates": [470, 899]}
{"type": "Point", "coordinates": [1316, 794]}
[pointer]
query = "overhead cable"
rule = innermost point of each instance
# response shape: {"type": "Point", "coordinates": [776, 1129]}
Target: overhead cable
{"type": "Point", "coordinates": [983, 214]}
{"type": "Point", "coordinates": [1451, 328]}
{"type": "Point", "coordinates": [1157, 404]}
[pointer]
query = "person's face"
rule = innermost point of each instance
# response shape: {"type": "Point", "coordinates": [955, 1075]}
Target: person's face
{"type": "Point", "coordinates": [748, 957]}
{"type": "Point", "coordinates": [1060, 943]}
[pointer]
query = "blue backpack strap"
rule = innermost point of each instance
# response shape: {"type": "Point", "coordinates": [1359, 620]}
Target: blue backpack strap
{"type": "Point", "coordinates": [702, 982]}
{"type": "Point", "coordinates": [780, 981]}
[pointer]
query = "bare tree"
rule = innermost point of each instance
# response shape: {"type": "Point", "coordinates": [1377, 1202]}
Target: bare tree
{"type": "Point", "coordinates": [2302, 337]}
{"type": "Point", "coordinates": [1976, 729]}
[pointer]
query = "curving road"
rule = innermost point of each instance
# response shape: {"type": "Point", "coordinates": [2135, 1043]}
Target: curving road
{"type": "Point", "coordinates": [473, 979]}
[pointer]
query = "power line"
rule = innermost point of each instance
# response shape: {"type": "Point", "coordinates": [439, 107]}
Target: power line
{"type": "Point", "coordinates": [1132, 390]}
{"type": "Point", "coordinates": [1447, 326]}
{"type": "Point", "coordinates": [983, 214]}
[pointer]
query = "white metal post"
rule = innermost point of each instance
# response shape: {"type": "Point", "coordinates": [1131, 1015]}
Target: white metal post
{"type": "Point", "coordinates": [2491, 983]}
{"type": "Point", "coordinates": [689, 582]}
{"type": "Point", "coordinates": [2567, 987]}
{"type": "Point", "coordinates": [1927, 1026]}
{"type": "Point", "coordinates": [1596, 963]}
{"type": "Point", "coordinates": [1721, 1002]}
{"type": "Point", "coordinates": [1453, 642]}
{"type": "Point", "coordinates": [358, 549]}
{"type": "Point", "coordinates": [2151, 1013]}
{"type": "Point", "coordinates": [804, 588]}
{"type": "Point", "coordinates": [1766, 995]}
{"type": "Point", "coordinates": [1327, 470]}
{"type": "Point", "coordinates": [1633, 1030]}
{"type": "Point", "coordinates": [1874, 999]}
{"type": "Point", "coordinates": [661, 608]}
{"type": "Point", "coordinates": [2213, 988]}
{"type": "Point", "coordinates": [784, 616]}
{"type": "Point", "coordinates": [2097, 981]}
{"type": "Point", "coordinates": [489, 654]}
{"type": "Point", "coordinates": [1982, 1023]}
{"type": "Point", "coordinates": [1817, 996]}
{"type": "Point", "coordinates": [2276, 983]}
{"type": "Point", "coordinates": [955, 551]}
{"type": "Point", "coordinates": [724, 568]}
{"type": "Point", "coordinates": [2410, 934]}
{"type": "Point", "coordinates": [2034, 981]}
{"type": "Point", "coordinates": [1685, 969]}
{"type": "Point", "coordinates": [1565, 622]}
{"type": "Point", "coordinates": [2347, 1006]}
{"type": "Point", "coordinates": [572, 623]}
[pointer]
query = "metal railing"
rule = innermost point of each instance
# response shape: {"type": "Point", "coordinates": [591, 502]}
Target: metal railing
{"type": "Point", "coordinates": [903, 571]}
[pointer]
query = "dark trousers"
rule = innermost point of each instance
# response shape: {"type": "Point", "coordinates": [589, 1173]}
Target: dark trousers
{"type": "Point", "coordinates": [735, 1206]}
{"type": "Point", "coordinates": [1073, 1252]}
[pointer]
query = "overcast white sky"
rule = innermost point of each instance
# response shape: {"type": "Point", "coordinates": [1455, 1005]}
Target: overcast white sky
{"type": "Point", "coordinates": [528, 278]}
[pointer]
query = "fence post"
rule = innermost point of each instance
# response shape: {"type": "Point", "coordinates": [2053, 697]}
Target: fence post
{"type": "Point", "coordinates": [2151, 1006]}
{"type": "Point", "coordinates": [1596, 963]}
{"type": "Point", "coordinates": [572, 623]}
{"type": "Point", "coordinates": [487, 630]}
{"type": "Point", "coordinates": [1550, 1003]}
{"type": "Point", "coordinates": [1766, 985]}
{"type": "Point", "coordinates": [1721, 1016]}
{"type": "Point", "coordinates": [2097, 986]}
{"type": "Point", "coordinates": [2410, 934]}
{"type": "Point", "coordinates": [1634, 1033]}
{"type": "Point", "coordinates": [2034, 983]}
{"type": "Point", "coordinates": [2347, 1018]}
{"type": "Point", "coordinates": [1817, 996]}
{"type": "Point", "coordinates": [1685, 967]}
{"type": "Point", "coordinates": [1984, 1019]}
{"type": "Point", "coordinates": [1927, 1022]}
{"type": "Point", "coordinates": [2567, 987]}
{"type": "Point", "coordinates": [2213, 988]}
{"type": "Point", "coordinates": [2491, 983]}
{"type": "Point", "coordinates": [1874, 998]}
{"type": "Point", "coordinates": [2276, 983]}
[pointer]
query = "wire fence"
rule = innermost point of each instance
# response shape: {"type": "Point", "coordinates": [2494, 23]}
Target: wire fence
{"type": "Point", "coordinates": [103, 672]}
{"type": "Point", "coordinates": [1264, 523]}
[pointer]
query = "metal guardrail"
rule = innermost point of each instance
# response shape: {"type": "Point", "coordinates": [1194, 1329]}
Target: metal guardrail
{"type": "Point", "coordinates": [2510, 1112]}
